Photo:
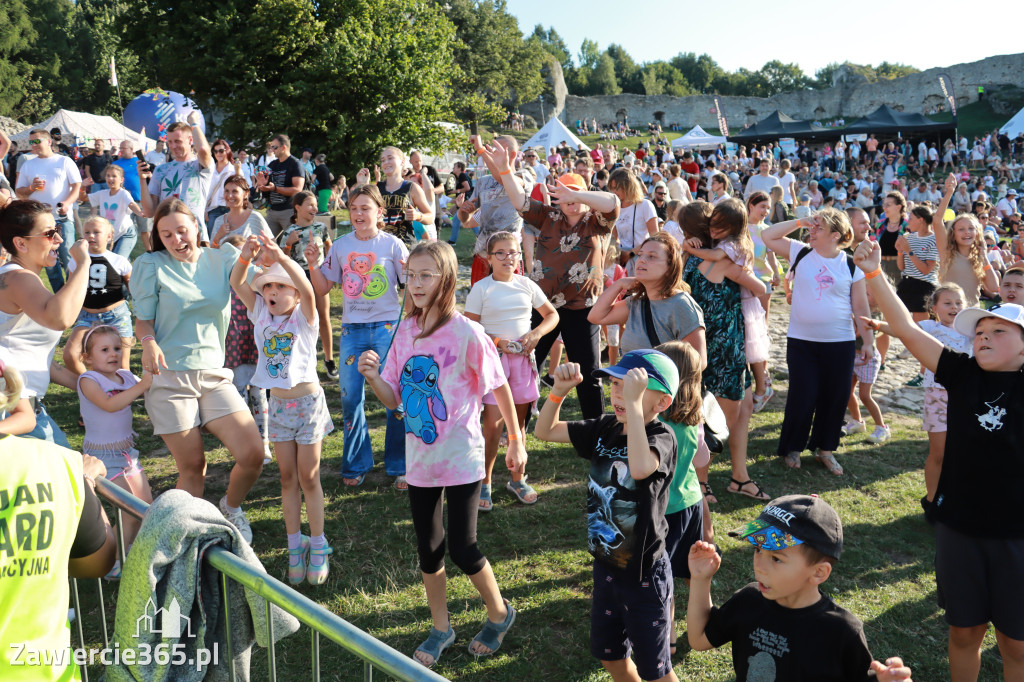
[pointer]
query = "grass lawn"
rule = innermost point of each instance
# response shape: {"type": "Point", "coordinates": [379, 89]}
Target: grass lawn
{"type": "Point", "coordinates": [540, 559]}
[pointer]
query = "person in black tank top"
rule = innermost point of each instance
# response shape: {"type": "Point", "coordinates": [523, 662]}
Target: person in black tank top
{"type": "Point", "coordinates": [395, 204]}
{"type": "Point", "coordinates": [404, 204]}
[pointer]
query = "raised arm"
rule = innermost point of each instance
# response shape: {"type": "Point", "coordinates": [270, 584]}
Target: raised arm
{"type": "Point", "coordinates": [499, 162]}
{"type": "Point", "coordinates": [549, 428]}
{"type": "Point", "coordinates": [199, 141]}
{"type": "Point", "coordinates": [53, 311]}
{"type": "Point", "coordinates": [321, 285]}
{"type": "Point", "coordinates": [774, 236]}
{"type": "Point", "coordinates": [602, 202]}
{"type": "Point", "coordinates": [236, 279]}
{"type": "Point", "coordinates": [938, 218]}
{"type": "Point", "coordinates": [924, 346]}
{"type": "Point", "coordinates": [704, 562]}
{"type": "Point", "coordinates": [274, 254]}
{"type": "Point", "coordinates": [608, 309]}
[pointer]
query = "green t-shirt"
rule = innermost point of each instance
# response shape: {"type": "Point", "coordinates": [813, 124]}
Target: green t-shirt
{"type": "Point", "coordinates": [684, 489]}
{"type": "Point", "coordinates": [189, 304]}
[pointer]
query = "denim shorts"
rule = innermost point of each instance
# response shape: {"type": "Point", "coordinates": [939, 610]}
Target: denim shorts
{"type": "Point", "coordinates": [120, 318]}
{"type": "Point", "coordinates": [118, 462]}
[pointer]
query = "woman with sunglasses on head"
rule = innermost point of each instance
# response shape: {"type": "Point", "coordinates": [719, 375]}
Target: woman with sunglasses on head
{"type": "Point", "coordinates": [223, 168]}
{"type": "Point", "coordinates": [32, 320]}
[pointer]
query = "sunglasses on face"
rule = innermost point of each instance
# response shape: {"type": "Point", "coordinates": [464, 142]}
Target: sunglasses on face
{"type": "Point", "coordinates": [49, 234]}
{"type": "Point", "coordinates": [219, 150]}
{"type": "Point", "coordinates": [35, 141]}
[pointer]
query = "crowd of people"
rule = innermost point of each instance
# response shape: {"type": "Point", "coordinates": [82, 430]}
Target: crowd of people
{"type": "Point", "coordinates": [666, 258]}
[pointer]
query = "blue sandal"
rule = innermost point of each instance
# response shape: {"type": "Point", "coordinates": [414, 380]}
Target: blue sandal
{"type": "Point", "coordinates": [491, 632]}
{"type": "Point", "coordinates": [486, 504]}
{"type": "Point", "coordinates": [521, 489]}
{"type": "Point", "coordinates": [435, 644]}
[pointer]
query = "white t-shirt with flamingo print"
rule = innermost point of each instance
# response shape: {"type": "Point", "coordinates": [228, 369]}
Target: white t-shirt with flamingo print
{"type": "Point", "coordinates": [822, 309]}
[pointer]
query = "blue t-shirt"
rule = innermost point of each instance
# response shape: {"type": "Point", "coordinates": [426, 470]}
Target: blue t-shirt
{"type": "Point", "coordinates": [131, 177]}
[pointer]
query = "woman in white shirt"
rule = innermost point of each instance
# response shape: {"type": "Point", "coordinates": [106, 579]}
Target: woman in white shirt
{"type": "Point", "coordinates": [223, 168]}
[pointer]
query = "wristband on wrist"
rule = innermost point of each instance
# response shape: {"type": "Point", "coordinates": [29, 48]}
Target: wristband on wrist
{"type": "Point", "coordinates": [147, 337]}
{"type": "Point", "coordinates": [874, 273]}
{"type": "Point", "coordinates": [496, 340]}
{"type": "Point", "coordinates": [556, 399]}
{"type": "Point", "coordinates": [244, 260]}
{"type": "Point", "coordinates": [987, 267]}
{"type": "Point", "coordinates": [514, 436]}
{"type": "Point", "coordinates": [505, 172]}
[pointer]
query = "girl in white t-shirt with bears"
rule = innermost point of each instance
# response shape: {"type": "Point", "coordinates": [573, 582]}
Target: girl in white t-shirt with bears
{"type": "Point", "coordinates": [285, 328]}
{"type": "Point", "coordinates": [503, 303]}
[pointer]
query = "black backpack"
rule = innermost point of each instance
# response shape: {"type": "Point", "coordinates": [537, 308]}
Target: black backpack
{"type": "Point", "coordinates": [806, 250]}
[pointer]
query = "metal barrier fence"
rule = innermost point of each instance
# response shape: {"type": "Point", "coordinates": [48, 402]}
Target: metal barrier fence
{"type": "Point", "coordinates": [375, 655]}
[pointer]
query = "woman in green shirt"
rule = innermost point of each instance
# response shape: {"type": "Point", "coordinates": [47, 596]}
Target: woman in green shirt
{"type": "Point", "coordinates": [181, 294]}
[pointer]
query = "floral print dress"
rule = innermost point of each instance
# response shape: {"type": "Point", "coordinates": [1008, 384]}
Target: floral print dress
{"type": "Point", "coordinates": [726, 375]}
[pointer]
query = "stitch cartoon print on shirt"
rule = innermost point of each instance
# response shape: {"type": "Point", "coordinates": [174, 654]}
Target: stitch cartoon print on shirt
{"type": "Point", "coordinates": [363, 277]}
{"type": "Point", "coordinates": [993, 419]}
{"type": "Point", "coordinates": [824, 281]}
{"type": "Point", "coordinates": [277, 348]}
{"type": "Point", "coordinates": [422, 398]}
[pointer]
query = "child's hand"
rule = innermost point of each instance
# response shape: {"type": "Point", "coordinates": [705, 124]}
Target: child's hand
{"type": "Point", "coordinates": [529, 341]}
{"type": "Point", "coordinates": [566, 377]}
{"type": "Point", "coordinates": [147, 380]}
{"type": "Point", "coordinates": [93, 467]}
{"type": "Point", "coordinates": [250, 248]}
{"type": "Point", "coordinates": [703, 561]}
{"type": "Point", "coordinates": [369, 364]}
{"type": "Point", "coordinates": [515, 456]}
{"type": "Point", "coordinates": [363, 176]}
{"type": "Point", "coordinates": [634, 385]}
{"type": "Point", "coordinates": [312, 251]}
{"type": "Point", "coordinates": [272, 253]}
{"type": "Point", "coordinates": [892, 669]}
{"type": "Point", "coordinates": [692, 243]}
{"type": "Point", "coordinates": [870, 322]}
{"type": "Point", "coordinates": [951, 183]}
{"type": "Point", "coordinates": [902, 244]}
{"type": "Point", "coordinates": [868, 256]}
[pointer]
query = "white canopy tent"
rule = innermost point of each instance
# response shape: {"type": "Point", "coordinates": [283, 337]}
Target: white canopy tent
{"type": "Point", "coordinates": [83, 128]}
{"type": "Point", "coordinates": [1015, 126]}
{"type": "Point", "coordinates": [551, 135]}
{"type": "Point", "coordinates": [699, 139]}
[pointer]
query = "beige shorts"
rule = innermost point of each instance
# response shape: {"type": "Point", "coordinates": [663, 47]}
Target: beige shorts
{"type": "Point", "coordinates": [179, 401]}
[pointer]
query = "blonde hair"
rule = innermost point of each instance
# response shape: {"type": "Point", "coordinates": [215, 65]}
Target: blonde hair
{"type": "Point", "coordinates": [624, 180]}
{"type": "Point", "coordinates": [11, 385]}
{"type": "Point", "coordinates": [731, 216]}
{"type": "Point", "coordinates": [444, 296]}
{"type": "Point", "coordinates": [976, 257]}
{"type": "Point", "coordinates": [933, 298]}
{"type": "Point", "coordinates": [687, 406]}
{"type": "Point", "coordinates": [838, 222]}
{"type": "Point", "coordinates": [102, 222]}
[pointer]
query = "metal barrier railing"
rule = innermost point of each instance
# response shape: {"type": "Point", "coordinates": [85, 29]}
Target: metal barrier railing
{"type": "Point", "coordinates": [376, 655]}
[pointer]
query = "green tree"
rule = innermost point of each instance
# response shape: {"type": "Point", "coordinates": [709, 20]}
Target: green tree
{"type": "Point", "coordinates": [823, 76]}
{"type": "Point", "coordinates": [602, 80]}
{"type": "Point", "coordinates": [627, 71]}
{"type": "Point", "coordinates": [553, 43]}
{"type": "Point", "coordinates": [666, 78]}
{"type": "Point", "coordinates": [20, 89]}
{"type": "Point", "coordinates": [778, 77]}
{"type": "Point", "coordinates": [345, 76]}
{"type": "Point", "coordinates": [495, 67]}
{"type": "Point", "coordinates": [97, 26]}
{"type": "Point", "coordinates": [888, 71]}
{"type": "Point", "coordinates": [700, 72]}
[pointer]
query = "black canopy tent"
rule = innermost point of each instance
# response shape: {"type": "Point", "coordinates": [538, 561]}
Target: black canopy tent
{"type": "Point", "coordinates": [886, 120]}
{"type": "Point", "coordinates": [778, 125]}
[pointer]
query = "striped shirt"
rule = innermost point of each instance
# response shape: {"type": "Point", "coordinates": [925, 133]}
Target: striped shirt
{"type": "Point", "coordinates": [924, 248]}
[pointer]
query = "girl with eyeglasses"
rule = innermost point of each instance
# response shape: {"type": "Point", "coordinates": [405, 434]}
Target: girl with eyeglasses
{"type": "Point", "coordinates": [503, 303]}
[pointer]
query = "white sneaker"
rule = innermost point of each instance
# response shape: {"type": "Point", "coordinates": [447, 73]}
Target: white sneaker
{"type": "Point", "coordinates": [879, 435]}
{"type": "Point", "coordinates": [236, 519]}
{"type": "Point", "coordinates": [268, 456]}
{"type": "Point", "coordinates": [761, 400]}
{"type": "Point", "coordinates": [853, 426]}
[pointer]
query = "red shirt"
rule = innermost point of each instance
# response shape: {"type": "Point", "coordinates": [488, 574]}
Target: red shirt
{"type": "Point", "coordinates": [693, 169]}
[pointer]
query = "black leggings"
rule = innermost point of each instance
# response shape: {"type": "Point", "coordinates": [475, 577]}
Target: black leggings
{"type": "Point", "coordinates": [583, 345]}
{"type": "Point", "coordinates": [427, 520]}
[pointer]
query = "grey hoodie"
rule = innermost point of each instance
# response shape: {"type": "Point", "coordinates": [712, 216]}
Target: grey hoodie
{"type": "Point", "coordinates": [165, 572]}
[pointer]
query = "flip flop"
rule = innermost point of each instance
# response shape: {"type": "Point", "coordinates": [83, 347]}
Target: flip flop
{"type": "Point", "coordinates": [354, 482]}
{"type": "Point", "coordinates": [401, 484]}
{"type": "Point", "coordinates": [792, 460]}
{"type": "Point", "coordinates": [521, 489]}
{"type": "Point", "coordinates": [830, 463]}
{"type": "Point", "coordinates": [435, 644]}
{"type": "Point", "coordinates": [760, 495]}
{"type": "Point", "coordinates": [491, 635]}
{"type": "Point", "coordinates": [486, 504]}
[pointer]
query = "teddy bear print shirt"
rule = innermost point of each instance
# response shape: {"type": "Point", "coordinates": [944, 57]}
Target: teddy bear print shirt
{"type": "Point", "coordinates": [369, 273]}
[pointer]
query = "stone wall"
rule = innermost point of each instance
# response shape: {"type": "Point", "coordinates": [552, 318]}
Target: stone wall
{"type": "Point", "coordinates": [849, 98]}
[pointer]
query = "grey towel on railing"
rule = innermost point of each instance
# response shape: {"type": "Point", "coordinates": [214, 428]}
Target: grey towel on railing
{"type": "Point", "coordinates": [165, 574]}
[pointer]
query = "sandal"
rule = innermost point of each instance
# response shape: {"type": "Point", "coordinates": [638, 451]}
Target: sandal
{"type": "Point", "coordinates": [830, 463]}
{"type": "Point", "coordinates": [354, 482]}
{"type": "Point", "coordinates": [401, 484]}
{"type": "Point", "coordinates": [486, 504]}
{"type": "Point", "coordinates": [760, 495]}
{"type": "Point", "coordinates": [435, 645]}
{"type": "Point", "coordinates": [792, 460]}
{"type": "Point", "coordinates": [521, 489]}
{"type": "Point", "coordinates": [706, 487]}
{"type": "Point", "coordinates": [491, 635]}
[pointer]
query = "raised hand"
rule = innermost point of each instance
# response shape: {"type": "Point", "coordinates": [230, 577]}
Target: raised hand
{"type": "Point", "coordinates": [703, 561]}
{"type": "Point", "coordinates": [251, 248]}
{"type": "Point", "coordinates": [634, 384]}
{"type": "Point", "coordinates": [79, 251]}
{"type": "Point", "coordinates": [566, 377]}
{"type": "Point", "coordinates": [868, 256]}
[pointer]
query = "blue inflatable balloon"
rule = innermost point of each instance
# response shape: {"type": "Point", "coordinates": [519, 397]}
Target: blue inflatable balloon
{"type": "Point", "coordinates": [156, 109]}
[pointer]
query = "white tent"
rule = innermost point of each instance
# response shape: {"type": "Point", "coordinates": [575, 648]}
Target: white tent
{"type": "Point", "coordinates": [1015, 126]}
{"type": "Point", "coordinates": [553, 133]}
{"type": "Point", "coordinates": [698, 138]}
{"type": "Point", "coordinates": [84, 128]}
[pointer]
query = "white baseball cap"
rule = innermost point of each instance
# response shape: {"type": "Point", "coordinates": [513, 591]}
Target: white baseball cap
{"type": "Point", "coordinates": [967, 319]}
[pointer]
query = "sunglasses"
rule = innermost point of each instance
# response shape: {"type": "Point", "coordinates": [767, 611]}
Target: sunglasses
{"type": "Point", "coordinates": [219, 150]}
{"type": "Point", "coordinates": [49, 234]}
{"type": "Point", "coordinates": [35, 141]}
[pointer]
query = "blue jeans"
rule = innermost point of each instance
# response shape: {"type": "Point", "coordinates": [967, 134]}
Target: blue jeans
{"type": "Point", "coordinates": [126, 242]}
{"type": "Point", "coordinates": [212, 215]}
{"type": "Point", "coordinates": [47, 429]}
{"type": "Point", "coordinates": [55, 274]}
{"type": "Point", "coordinates": [357, 455]}
{"type": "Point", "coordinates": [456, 226]}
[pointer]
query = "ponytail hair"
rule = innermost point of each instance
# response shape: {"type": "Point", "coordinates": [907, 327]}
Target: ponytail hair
{"type": "Point", "coordinates": [298, 200]}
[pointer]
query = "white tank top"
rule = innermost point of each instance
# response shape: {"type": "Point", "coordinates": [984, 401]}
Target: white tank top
{"type": "Point", "coordinates": [27, 345]}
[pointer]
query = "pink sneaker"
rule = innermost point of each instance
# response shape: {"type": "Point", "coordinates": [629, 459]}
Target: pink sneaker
{"type": "Point", "coordinates": [297, 560]}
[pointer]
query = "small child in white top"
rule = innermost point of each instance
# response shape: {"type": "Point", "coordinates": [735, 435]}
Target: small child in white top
{"type": "Point", "coordinates": [285, 327]}
{"type": "Point", "coordinates": [115, 204]}
{"type": "Point", "coordinates": [105, 395]}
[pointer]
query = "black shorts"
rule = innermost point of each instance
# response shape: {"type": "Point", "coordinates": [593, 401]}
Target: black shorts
{"type": "Point", "coordinates": [915, 293]}
{"type": "Point", "coordinates": [685, 527]}
{"type": "Point", "coordinates": [630, 615]}
{"type": "Point", "coordinates": [980, 580]}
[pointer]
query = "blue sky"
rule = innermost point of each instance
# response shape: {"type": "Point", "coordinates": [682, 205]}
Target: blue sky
{"type": "Point", "coordinates": [750, 33]}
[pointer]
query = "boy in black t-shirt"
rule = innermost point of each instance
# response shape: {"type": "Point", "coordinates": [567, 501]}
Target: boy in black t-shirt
{"type": "Point", "coordinates": [979, 530]}
{"type": "Point", "coordinates": [632, 459]}
{"type": "Point", "coordinates": [782, 627]}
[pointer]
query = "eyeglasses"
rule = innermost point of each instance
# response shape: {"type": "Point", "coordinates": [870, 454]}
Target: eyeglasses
{"type": "Point", "coordinates": [35, 141]}
{"type": "Point", "coordinates": [425, 278]}
{"type": "Point", "coordinates": [219, 150]}
{"type": "Point", "coordinates": [49, 234]}
{"type": "Point", "coordinates": [503, 255]}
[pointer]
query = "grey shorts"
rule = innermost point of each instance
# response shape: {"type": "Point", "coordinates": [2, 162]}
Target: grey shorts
{"type": "Point", "coordinates": [305, 420]}
{"type": "Point", "coordinates": [979, 580]}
